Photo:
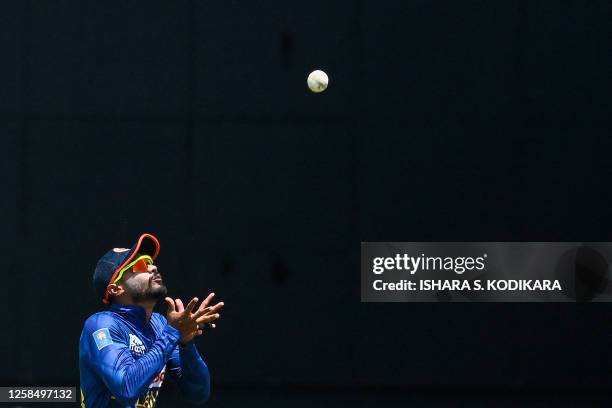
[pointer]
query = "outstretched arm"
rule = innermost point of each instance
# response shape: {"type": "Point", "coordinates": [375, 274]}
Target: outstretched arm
{"type": "Point", "coordinates": [186, 365]}
{"type": "Point", "coordinates": [190, 371]}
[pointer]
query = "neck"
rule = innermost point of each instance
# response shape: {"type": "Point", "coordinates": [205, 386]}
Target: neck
{"type": "Point", "coordinates": [148, 307]}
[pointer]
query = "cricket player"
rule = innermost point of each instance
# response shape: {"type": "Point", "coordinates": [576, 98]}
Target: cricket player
{"type": "Point", "coordinates": [126, 351]}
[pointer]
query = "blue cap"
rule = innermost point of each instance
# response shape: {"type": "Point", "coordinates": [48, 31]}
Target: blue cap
{"type": "Point", "coordinates": [115, 259]}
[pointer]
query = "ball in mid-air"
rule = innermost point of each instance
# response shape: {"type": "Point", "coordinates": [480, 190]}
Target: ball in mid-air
{"type": "Point", "coordinates": [317, 81]}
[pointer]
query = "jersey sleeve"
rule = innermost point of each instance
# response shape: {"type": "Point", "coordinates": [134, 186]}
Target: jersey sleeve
{"type": "Point", "coordinates": [110, 357]}
{"type": "Point", "coordinates": [191, 373]}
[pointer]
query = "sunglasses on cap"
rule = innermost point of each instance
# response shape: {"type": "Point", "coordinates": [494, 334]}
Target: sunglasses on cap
{"type": "Point", "coordinates": [140, 264]}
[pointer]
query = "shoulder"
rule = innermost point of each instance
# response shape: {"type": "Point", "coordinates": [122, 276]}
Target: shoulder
{"type": "Point", "coordinates": [100, 320]}
{"type": "Point", "coordinates": [100, 330]}
{"type": "Point", "coordinates": [159, 319]}
{"type": "Point", "coordinates": [159, 323]}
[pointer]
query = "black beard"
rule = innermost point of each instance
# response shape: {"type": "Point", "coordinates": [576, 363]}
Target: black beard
{"type": "Point", "coordinates": [146, 294]}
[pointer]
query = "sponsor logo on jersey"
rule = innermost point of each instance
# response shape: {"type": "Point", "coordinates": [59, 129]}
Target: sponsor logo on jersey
{"type": "Point", "coordinates": [150, 397]}
{"type": "Point", "coordinates": [159, 379]}
{"type": "Point", "coordinates": [136, 345]}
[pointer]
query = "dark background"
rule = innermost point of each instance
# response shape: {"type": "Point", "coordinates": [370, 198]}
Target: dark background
{"type": "Point", "coordinates": [444, 120]}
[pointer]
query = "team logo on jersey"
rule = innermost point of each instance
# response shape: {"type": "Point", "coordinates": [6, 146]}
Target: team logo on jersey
{"type": "Point", "coordinates": [102, 338]}
{"type": "Point", "coordinates": [136, 345]}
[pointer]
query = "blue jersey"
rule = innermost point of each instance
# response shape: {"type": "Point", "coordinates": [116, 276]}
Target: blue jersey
{"type": "Point", "coordinates": [123, 360]}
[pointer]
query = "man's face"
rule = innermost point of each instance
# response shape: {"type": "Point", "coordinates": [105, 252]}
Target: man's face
{"type": "Point", "coordinates": [144, 286]}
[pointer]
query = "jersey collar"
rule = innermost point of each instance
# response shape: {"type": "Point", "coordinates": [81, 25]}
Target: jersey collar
{"type": "Point", "coordinates": [132, 313]}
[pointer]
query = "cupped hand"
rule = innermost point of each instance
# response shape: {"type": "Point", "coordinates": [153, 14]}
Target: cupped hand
{"type": "Point", "coordinates": [188, 322]}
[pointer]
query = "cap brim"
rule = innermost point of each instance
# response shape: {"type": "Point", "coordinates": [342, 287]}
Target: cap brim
{"type": "Point", "coordinates": [147, 244]}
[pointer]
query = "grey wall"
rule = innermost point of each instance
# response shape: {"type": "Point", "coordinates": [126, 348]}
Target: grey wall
{"type": "Point", "coordinates": [444, 120]}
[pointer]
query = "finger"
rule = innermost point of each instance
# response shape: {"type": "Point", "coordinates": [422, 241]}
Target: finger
{"type": "Point", "coordinates": [217, 307]}
{"type": "Point", "coordinates": [208, 310]}
{"type": "Point", "coordinates": [171, 306]}
{"type": "Point", "coordinates": [194, 333]}
{"type": "Point", "coordinates": [191, 304]}
{"type": "Point", "coordinates": [207, 318]}
{"type": "Point", "coordinates": [207, 300]}
{"type": "Point", "coordinates": [200, 331]}
{"type": "Point", "coordinates": [202, 312]}
{"type": "Point", "coordinates": [179, 305]}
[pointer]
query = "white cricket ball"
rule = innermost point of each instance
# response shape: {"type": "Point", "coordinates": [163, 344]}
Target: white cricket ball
{"type": "Point", "coordinates": [317, 81]}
